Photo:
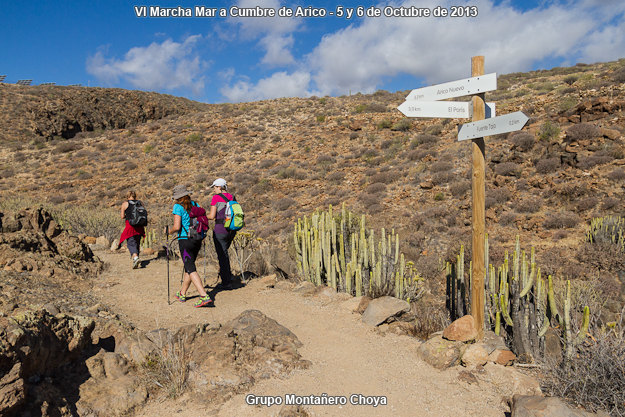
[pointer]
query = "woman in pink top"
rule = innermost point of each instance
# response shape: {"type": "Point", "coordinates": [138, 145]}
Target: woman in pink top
{"type": "Point", "coordinates": [222, 237]}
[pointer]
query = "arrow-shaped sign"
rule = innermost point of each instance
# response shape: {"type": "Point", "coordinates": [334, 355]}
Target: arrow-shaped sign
{"type": "Point", "coordinates": [468, 86]}
{"type": "Point", "coordinates": [452, 109]}
{"type": "Point", "coordinates": [493, 126]}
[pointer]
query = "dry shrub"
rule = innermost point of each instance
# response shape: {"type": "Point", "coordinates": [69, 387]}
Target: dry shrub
{"type": "Point", "coordinates": [545, 166]}
{"type": "Point", "coordinates": [376, 188]}
{"type": "Point", "coordinates": [441, 166]}
{"type": "Point", "coordinates": [509, 169]}
{"type": "Point", "coordinates": [582, 131]}
{"type": "Point", "coordinates": [595, 377]}
{"type": "Point", "coordinates": [336, 176]}
{"type": "Point", "coordinates": [266, 163]}
{"type": "Point", "coordinates": [563, 220]}
{"type": "Point", "coordinates": [444, 177]}
{"type": "Point", "coordinates": [523, 141]}
{"type": "Point", "coordinates": [91, 221]}
{"type": "Point", "coordinates": [609, 203]}
{"type": "Point", "coordinates": [507, 218]}
{"type": "Point", "coordinates": [617, 174]}
{"type": "Point", "coordinates": [168, 367]}
{"type": "Point", "coordinates": [497, 196]}
{"type": "Point", "coordinates": [599, 158]}
{"type": "Point", "coordinates": [586, 204]}
{"type": "Point", "coordinates": [459, 189]}
{"type": "Point", "coordinates": [284, 203]}
{"type": "Point", "coordinates": [528, 205]}
{"type": "Point", "coordinates": [424, 139]}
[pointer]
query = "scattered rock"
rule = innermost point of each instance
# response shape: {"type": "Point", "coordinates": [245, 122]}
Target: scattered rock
{"type": "Point", "coordinates": [384, 308]}
{"type": "Point", "coordinates": [102, 241]}
{"type": "Point", "coordinates": [474, 355]}
{"type": "Point", "coordinates": [352, 303]}
{"type": "Point", "coordinates": [502, 357]}
{"type": "Point", "coordinates": [115, 246]}
{"type": "Point", "coordinates": [89, 240]}
{"type": "Point", "coordinates": [440, 353]}
{"type": "Point", "coordinates": [268, 281]}
{"type": "Point", "coordinates": [508, 381]}
{"type": "Point", "coordinates": [462, 330]}
{"type": "Point", "coordinates": [612, 134]}
{"type": "Point", "coordinates": [305, 288]}
{"type": "Point", "coordinates": [537, 406]}
{"type": "Point", "coordinates": [363, 304]}
{"type": "Point", "coordinates": [148, 252]}
{"type": "Point", "coordinates": [426, 185]}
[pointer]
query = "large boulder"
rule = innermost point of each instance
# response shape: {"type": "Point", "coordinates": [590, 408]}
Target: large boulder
{"type": "Point", "coordinates": [384, 309]}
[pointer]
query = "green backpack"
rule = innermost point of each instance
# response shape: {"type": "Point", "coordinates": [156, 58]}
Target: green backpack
{"type": "Point", "coordinates": [235, 219]}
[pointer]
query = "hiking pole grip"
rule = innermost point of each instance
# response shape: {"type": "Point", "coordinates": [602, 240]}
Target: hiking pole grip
{"type": "Point", "coordinates": [167, 252]}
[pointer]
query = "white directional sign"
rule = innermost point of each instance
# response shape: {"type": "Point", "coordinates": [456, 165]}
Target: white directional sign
{"type": "Point", "coordinates": [435, 108]}
{"type": "Point", "coordinates": [452, 109]}
{"type": "Point", "coordinates": [493, 126]}
{"type": "Point", "coordinates": [474, 85]}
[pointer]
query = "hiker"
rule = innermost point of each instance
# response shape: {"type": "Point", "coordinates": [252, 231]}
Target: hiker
{"type": "Point", "coordinates": [222, 237]}
{"type": "Point", "coordinates": [189, 248]}
{"type": "Point", "coordinates": [131, 234]}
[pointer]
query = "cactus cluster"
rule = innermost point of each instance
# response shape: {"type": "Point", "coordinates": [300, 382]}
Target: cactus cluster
{"type": "Point", "coordinates": [607, 229]}
{"type": "Point", "coordinates": [149, 240]}
{"type": "Point", "coordinates": [519, 304]}
{"type": "Point", "coordinates": [338, 250]}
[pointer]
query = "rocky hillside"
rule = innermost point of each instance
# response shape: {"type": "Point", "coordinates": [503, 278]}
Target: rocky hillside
{"type": "Point", "coordinates": [46, 112]}
{"type": "Point", "coordinates": [286, 158]}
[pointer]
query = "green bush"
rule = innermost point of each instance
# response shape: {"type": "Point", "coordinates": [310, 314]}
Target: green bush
{"type": "Point", "coordinates": [549, 131]}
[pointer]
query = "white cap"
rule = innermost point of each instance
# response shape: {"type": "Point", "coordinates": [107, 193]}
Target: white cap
{"type": "Point", "coordinates": [220, 182]}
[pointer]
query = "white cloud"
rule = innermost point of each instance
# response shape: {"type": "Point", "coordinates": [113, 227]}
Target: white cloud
{"type": "Point", "coordinates": [160, 66]}
{"type": "Point", "coordinates": [274, 34]}
{"type": "Point", "coordinates": [359, 58]}
{"type": "Point", "coordinates": [279, 84]}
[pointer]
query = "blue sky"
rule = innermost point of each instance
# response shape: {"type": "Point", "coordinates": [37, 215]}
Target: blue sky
{"type": "Point", "coordinates": [233, 59]}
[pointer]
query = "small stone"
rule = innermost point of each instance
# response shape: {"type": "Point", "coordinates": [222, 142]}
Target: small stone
{"type": "Point", "coordinates": [114, 246]}
{"type": "Point", "coordinates": [305, 288]}
{"type": "Point", "coordinates": [462, 330]}
{"type": "Point", "coordinates": [102, 241]}
{"type": "Point", "coordinates": [363, 304]}
{"type": "Point", "coordinates": [426, 185]}
{"type": "Point", "coordinates": [474, 355]}
{"type": "Point", "coordinates": [89, 240]}
{"type": "Point", "coordinates": [383, 309]}
{"type": "Point", "coordinates": [502, 357]}
{"type": "Point", "coordinates": [440, 353]}
{"type": "Point", "coordinates": [148, 252]}
{"type": "Point", "coordinates": [268, 281]}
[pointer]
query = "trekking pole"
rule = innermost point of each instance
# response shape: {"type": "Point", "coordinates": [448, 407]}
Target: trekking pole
{"type": "Point", "coordinates": [204, 245]}
{"type": "Point", "coordinates": [167, 252]}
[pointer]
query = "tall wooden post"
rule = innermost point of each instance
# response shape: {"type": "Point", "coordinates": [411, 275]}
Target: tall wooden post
{"type": "Point", "coordinates": [478, 221]}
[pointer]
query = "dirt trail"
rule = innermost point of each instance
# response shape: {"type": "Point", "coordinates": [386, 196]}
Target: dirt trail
{"type": "Point", "coordinates": [347, 356]}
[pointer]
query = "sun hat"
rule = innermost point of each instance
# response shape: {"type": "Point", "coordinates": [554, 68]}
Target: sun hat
{"type": "Point", "coordinates": [220, 182]}
{"type": "Point", "coordinates": [180, 190]}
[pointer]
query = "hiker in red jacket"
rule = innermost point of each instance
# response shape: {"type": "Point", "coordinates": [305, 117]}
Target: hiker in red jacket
{"type": "Point", "coordinates": [131, 234]}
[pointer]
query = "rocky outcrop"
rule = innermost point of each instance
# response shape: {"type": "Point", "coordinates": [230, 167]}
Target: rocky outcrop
{"type": "Point", "coordinates": [66, 111]}
{"type": "Point", "coordinates": [32, 241]}
{"type": "Point", "coordinates": [37, 352]}
{"type": "Point", "coordinates": [383, 309]}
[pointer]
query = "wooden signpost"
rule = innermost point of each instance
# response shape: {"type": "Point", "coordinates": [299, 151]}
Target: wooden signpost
{"type": "Point", "coordinates": [419, 104]}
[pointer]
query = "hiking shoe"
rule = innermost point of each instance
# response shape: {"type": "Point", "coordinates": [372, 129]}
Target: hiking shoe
{"type": "Point", "coordinates": [203, 301]}
{"type": "Point", "coordinates": [135, 263]}
{"type": "Point", "coordinates": [180, 297]}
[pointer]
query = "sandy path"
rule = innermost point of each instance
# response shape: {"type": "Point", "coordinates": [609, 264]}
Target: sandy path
{"type": "Point", "coordinates": [347, 356]}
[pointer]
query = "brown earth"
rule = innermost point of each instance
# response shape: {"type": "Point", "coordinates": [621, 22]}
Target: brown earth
{"type": "Point", "coordinates": [347, 357]}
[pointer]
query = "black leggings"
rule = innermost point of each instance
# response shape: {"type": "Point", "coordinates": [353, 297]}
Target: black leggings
{"type": "Point", "coordinates": [189, 248]}
{"type": "Point", "coordinates": [222, 244]}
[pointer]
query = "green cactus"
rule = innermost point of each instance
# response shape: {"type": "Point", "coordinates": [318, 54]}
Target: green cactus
{"type": "Point", "coordinates": [339, 251]}
{"type": "Point", "coordinates": [520, 305]}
